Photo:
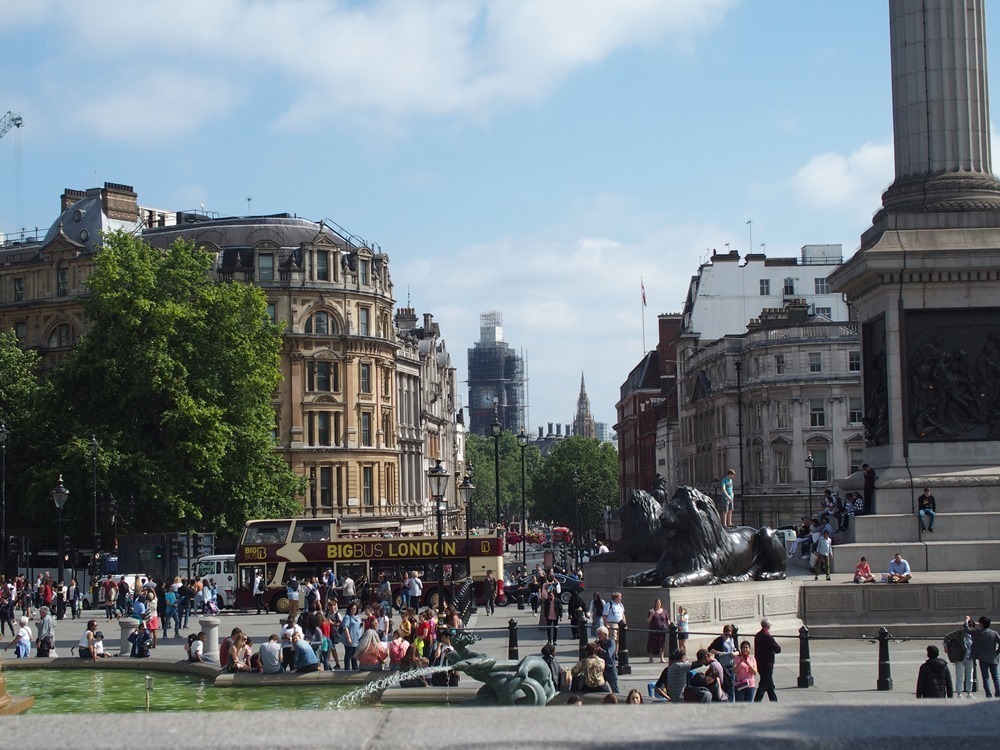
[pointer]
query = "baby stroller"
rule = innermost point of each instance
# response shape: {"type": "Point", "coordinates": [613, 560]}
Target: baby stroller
{"type": "Point", "coordinates": [211, 608]}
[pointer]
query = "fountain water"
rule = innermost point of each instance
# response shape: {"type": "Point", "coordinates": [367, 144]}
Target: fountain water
{"type": "Point", "coordinates": [370, 693]}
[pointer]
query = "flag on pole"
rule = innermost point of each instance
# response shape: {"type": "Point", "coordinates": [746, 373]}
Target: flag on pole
{"type": "Point", "coordinates": [643, 288]}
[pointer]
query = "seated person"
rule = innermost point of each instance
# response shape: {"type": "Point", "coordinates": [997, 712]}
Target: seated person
{"type": "Point", "coordinates": [863, 573]}
{"type": "Point", "coordinates": [698, 691]}
{"type": "Point", "coordinates": [196, 648]}
{"type": "Point", "coordinates": [803, 542]}
{"type": "Point", "coordinates": [899, 570]}
{"type": "Point", "coordinates": [237, 660]}
{"type": "Point", "coordinates": [99, 652]}
{"type": "Point", "coordinates": [674, 678]}
{"type": "Point", "coordinates": [590, 670]}
{"type": "Point", "coordinates": [270, 655]}
{"type": "Point", "coordinates": [141, 641]}
{"type": "Point", "coordinates": [555, 668]}
{"type": "Point", "coordinates": [304, 657]}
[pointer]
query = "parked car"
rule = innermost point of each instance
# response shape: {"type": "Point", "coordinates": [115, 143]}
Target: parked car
{"type": "Point", "coordinates": [567, 586]}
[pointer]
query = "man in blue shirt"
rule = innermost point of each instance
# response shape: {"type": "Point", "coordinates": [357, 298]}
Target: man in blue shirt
{"type": "Point", "coordinates": [899, 570]}
{"type": "Point", "coordinates": [305, 658]}
{"type": "Point", "coordinates": [139, 609]}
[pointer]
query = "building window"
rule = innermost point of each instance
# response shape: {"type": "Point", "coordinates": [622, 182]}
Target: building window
{"type": "Point", "coordinates": [338, 429]}
{"type": "Point", "coordinates": [322, 265]}
{"type": "Point", "coordinates": [338, 487]}
{"type": "Point", "coordinates": [62, 282]}
{"type": "Point", "coordinates": [781, 415]}
{"type": "Point", "coordinates": [826, 312]}
{"type": "Point", "coordinates": [366, 430]}
{"type": "Point", "coordinates": [265, 266]}
{"type": "Point", "coordinates": [789, 286]}
{"type": "Point", "coordinates": [822, 286]}
{"type": "Point", "coordinates": [387, 429]}
{"type": "Point", "coordinates": [779, 364]}
{"type": "Point", "coordinates": [323, 428]}
{"type": "Point", "coordinates": [856, 456]}
{"type": "Point", "coordinates": [319, 323]}
{"type": "Point", "coordinates": [765, 287]}
{"type": "Point", "coordinates": [61, 336]}
{"type": "Point", "coordinates": [323, 377]}
{"type": "Point", "coordinates": [366, 377]}
{"type": "Point", "coordinates": [854, 361]}
{"type": "Point", "coordinates": [781, 474]}
{"type": "Point", "coordinates": [820, 472]}
{"type": "Point", "coordinates": [326, 487]}
{"type": "Point", "coordinates": [368, 486]}
{"type": "Point", "coordinates": [21, 331]}
{"type": "Point", "coordinates": [817, 412]}
{"type": "Point", "coordinates": [364, 277]}
{"type": "Point", "coordinates": [18, 290]}
{"type": "Point", "coordinates": [364, 321]}
{"type": "Point", "coordinates": [815, 362]}
{"type": "Point", "coordinates": [758, 416]}
{"type": "Point", "coordinates": [272, 313]}
{"type": "Point", "coordinates": [854, 411]}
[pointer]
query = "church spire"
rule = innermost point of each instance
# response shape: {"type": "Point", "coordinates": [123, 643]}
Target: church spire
{"type": "Point", "coordinates": [583, 423]}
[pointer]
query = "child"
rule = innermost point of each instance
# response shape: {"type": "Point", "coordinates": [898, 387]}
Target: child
{"type": "Point", "coordinates": [682, 628]}
{"type": "Point", "coordinates": [99, 646]}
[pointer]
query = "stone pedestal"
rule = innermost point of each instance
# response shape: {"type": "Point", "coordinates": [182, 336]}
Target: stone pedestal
{"type": "Point", "coordinates": [210, 627]}
{"type": "Point", "coordinates": [127, 625]}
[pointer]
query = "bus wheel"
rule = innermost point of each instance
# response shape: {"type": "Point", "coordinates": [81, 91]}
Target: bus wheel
{"type": "Point", "coordinates": [433, 602]}
{"type": "Point", "coordinates": [281, 604]}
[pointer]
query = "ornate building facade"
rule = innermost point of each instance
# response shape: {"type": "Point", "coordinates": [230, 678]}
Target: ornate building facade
{"type": "Point", "coordinates": [362, 408]}
{"type": "Point", "coordinates": [583, 422]}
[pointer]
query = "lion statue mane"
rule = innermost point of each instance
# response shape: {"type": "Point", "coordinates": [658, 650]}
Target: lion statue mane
{"type": "Point", "coordinates": [642, 537]}
{"type": "Point", "coordinates": [698, 550]}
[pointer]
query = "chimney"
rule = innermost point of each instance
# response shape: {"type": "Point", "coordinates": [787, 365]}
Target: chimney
{"type": "Point", "coordinates": [541, 432]}
{"type": "Point", "coordinates": [558, 430]}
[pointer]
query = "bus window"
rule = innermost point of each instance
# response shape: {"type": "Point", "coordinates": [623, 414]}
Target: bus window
{"type": "Point", "coordinates": [311, 532]}
{"type": "Point", "coordinates": [266, 532]}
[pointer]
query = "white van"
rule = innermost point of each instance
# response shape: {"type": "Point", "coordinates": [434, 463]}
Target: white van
{"type": "Point", "coordinates": [223, 569]}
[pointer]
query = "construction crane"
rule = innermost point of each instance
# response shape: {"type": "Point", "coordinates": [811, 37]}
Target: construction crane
{"type": "Point", "coordinates": [10, 120]}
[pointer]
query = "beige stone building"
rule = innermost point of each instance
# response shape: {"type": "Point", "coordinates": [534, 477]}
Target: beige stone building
{"type": "Point", "coordinates": [362, 409]}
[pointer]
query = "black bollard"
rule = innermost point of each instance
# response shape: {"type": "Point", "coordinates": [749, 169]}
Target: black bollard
{"type": "Point", "coordinates": [520, 600]}
{"type": "Point", "coordinates": [581, 632]}
{"type": "Point", "coordinates": [671, 638]}
{"type": "Point", "coordinates": [805, 663]}
{"type": "Point", "coordinates": [512, 639]}
{"type": "Point", "coordinates": [623, 665]}
{"type": "Point", "coordinates": [884, 681]}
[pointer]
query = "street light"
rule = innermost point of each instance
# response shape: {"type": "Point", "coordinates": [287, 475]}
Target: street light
{"type": "Point", "coordinates": [96, 545]}
{"type": "Point", "coordinates": [739, 422]}
{"type": "Point", "coordinates": [809, 480]}
{"type": "Point", "coordinates": [496, 430]}
{"type": "Point", "coordinates": [576, 504]}
{"type": "Point", "coordinates": [522, 440]}
{"type": "Point", "coordinates": [465, 490]}
{"type": "Point", "coordinates": [312, 489]}
{"type": "Point", "coordinates": [4, 432]}
{"type": "Point", "coordinates": [59, 495]}
{"type": "Point", "coordinates": [437, 477]}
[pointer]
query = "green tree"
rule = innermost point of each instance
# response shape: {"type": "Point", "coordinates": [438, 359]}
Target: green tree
{"type": "Point", "coordinates": [480, 450]}
{"type": "Point", "coordinates": [174, 378]}
{"type": "Point", "coordinates": [557, 498]}
{"type": "Point", "coordinates": [19, 393]}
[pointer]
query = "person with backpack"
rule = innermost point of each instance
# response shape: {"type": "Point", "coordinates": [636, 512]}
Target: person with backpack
{"type": "Point", "coordinates": [958, 649]}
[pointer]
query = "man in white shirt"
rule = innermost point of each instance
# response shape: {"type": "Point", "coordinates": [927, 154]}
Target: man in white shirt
{"type": "Point", "coordinates": [824, 549]}
{"type": "Point", "coordinates": [614, 615]}
{"type": "Point", "coordinates": [415, 588]}
{"type": "Point", "coordinates": [349, 590]}
{"type": "Point", "coordinates": [258, 591]}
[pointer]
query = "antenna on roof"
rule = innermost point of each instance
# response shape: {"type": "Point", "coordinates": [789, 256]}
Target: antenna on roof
{"type": "Point", "coordinates": [249, 198]}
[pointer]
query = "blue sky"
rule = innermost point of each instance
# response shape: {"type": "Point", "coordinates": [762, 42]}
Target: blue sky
{"type": "Point", "coordinates": [536, 158]}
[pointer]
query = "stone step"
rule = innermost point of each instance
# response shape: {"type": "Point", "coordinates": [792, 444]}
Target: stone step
{"type": "Point", "coordinates": [983, 554]}
{"type": "Point", "coordinates": [950, 499]}
{"type": "Point", "coordinates": [905, 527]}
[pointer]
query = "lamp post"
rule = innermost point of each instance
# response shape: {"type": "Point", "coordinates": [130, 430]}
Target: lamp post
{"type": "Point", "coordinates": [739, 423]}
{"type": "Point", "coordinates": [496, 430]}
{"type": "Point", "coordinates": [437, 477]}
{"type": "Point", "coordinates": [522, 440]}
{"type": "Point", "coordinates": [4, 432]}
{"type": "Point", "coordinates": [59, 495]}
{"type": "Point", "coordinates": [96, 542]}
{"type": "Point", "coordinates": [809, 481]}
{"type": "Point", "coordinates": [576, 504]}
{"type": "Point", "coordinates": [312, 489]}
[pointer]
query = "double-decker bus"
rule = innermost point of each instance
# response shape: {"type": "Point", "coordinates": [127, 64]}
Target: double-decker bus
{"type": "Point", "coordinates": [304, 547]}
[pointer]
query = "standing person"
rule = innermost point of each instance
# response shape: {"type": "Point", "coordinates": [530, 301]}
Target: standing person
{"type": "Point", "coordinates": [351, 629]}
{"type": "Point", "coordinates": [74, 596]}
{"type": "Point", "coordinates": [745, 672]}
{"type": "Point", "coordinates": [728, 498]}
{"type": "Point", "coordinates": [258, 590]}
{"type": "Point", "coordinates": [765, 648]}
{"type": "Point", "coordinates": [490, 592]}
{"type": "Point", "coordinates": [869, 477]}
{"type": "Point", "coordinates": [607, 649]}
{"type": "Point", "coordinates": [185, 602]}
{"type": "Point", "coordinates": [934, 678]}
{"type": "Point", "coordinates": [824, 550]}
{"type": "Point", "coordinates": [596, 612]}
{"type": "Point", "coordinates": [682, 628]}
{"type": "Point", "coordinates": [404, 592]}
{"type": "Point", "coordinates": [614, 615]}
{"type": "Point", "coordinates": [958, 648]}
{"type": "Point", "coordinates": [384, 594]}
{"type": "Point", "coordinates": [22, 639]}
{"type": "Point", "coordinates": [985, 650]}
{"type": "Point", "coordinates": [46, 639]}
{"type": "Point", "coordinates": [927, 508]}
{"type": "Point", "coordinates": [657, 620]}
{"type": "Point", "coordinates": [171, 614]}
{"type": "Point", "coordinates": [723, 648]}
{"type": "Point", "coordinates": [553, 613]}
{"type": "Point", "coordinates": [415, 588]}
{"type": "Point", "coordinates": [292, 592]}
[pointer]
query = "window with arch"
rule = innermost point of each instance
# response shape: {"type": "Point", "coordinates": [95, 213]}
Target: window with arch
{"type": "Point", "coordinates": [61, 336]}
{"type": "Point", "coordinates": [321, 323]}
{"type": "Point", "coordinates": [62, 280]}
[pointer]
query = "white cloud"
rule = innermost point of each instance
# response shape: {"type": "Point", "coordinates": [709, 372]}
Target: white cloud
{"type": "Point", "coordinates": [372, 64]}
{"type": "Point", "coordinates": [845, 183]}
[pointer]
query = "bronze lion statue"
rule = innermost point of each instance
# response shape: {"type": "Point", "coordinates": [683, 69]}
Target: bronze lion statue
{"type": "Point", "coordinates": [698, 550]}
{"type": "Point", "coordinates": [642, 537]}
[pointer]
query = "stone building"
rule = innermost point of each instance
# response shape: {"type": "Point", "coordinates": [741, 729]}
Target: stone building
{"type": "Point", "coordinates": [496, 380]}
{"type": "Point", "coordinates": [583, 422]}
{"type": "Point", "coordinates": [362, 408]}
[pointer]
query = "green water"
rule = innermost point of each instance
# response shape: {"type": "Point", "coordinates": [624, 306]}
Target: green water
{"type": "Point", "coordinates": [68, 691]}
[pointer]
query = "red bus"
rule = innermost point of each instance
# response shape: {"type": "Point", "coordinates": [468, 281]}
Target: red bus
{"type": "Point", "coordinates": [306, 547]}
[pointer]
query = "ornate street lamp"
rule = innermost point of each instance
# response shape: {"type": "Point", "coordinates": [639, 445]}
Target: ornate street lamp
{"type": "Point", "coordinates": [59, 496]}
{"type": "Point", "coordinates": [437, 477]}
{"type": "Point", "coordinates": [4, 433]}
{"type": "Point", "coordinates": [496, 430]}
{"type": "Point", "coordinates": [96, 543]}
{"type": "Point", "coordinates": [809, 481]}
{"type": "Point", "coordinates": [522, 440]}
{"type": "Point", "coordinates": [576, 531]}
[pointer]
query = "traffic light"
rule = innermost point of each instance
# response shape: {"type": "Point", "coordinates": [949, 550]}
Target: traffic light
{"type": "Point", "coordinates": [175, 549]}
{"type": "Point", "coordinates": [14, 546]}
{"type": "Point", "coordinates": [195, 545]}
{"type": "Point", "coordinates": [158, 552]}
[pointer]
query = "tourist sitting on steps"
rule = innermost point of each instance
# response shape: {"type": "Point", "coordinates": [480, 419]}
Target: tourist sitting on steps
{"type": "Point", "coordinates": [899, 570]}
{"type": "Point", "coordinates": [863, 572]}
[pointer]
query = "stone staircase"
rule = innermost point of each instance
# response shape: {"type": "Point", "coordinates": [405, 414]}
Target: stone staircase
{"type": "Point", "coordinates": [966, 531]}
